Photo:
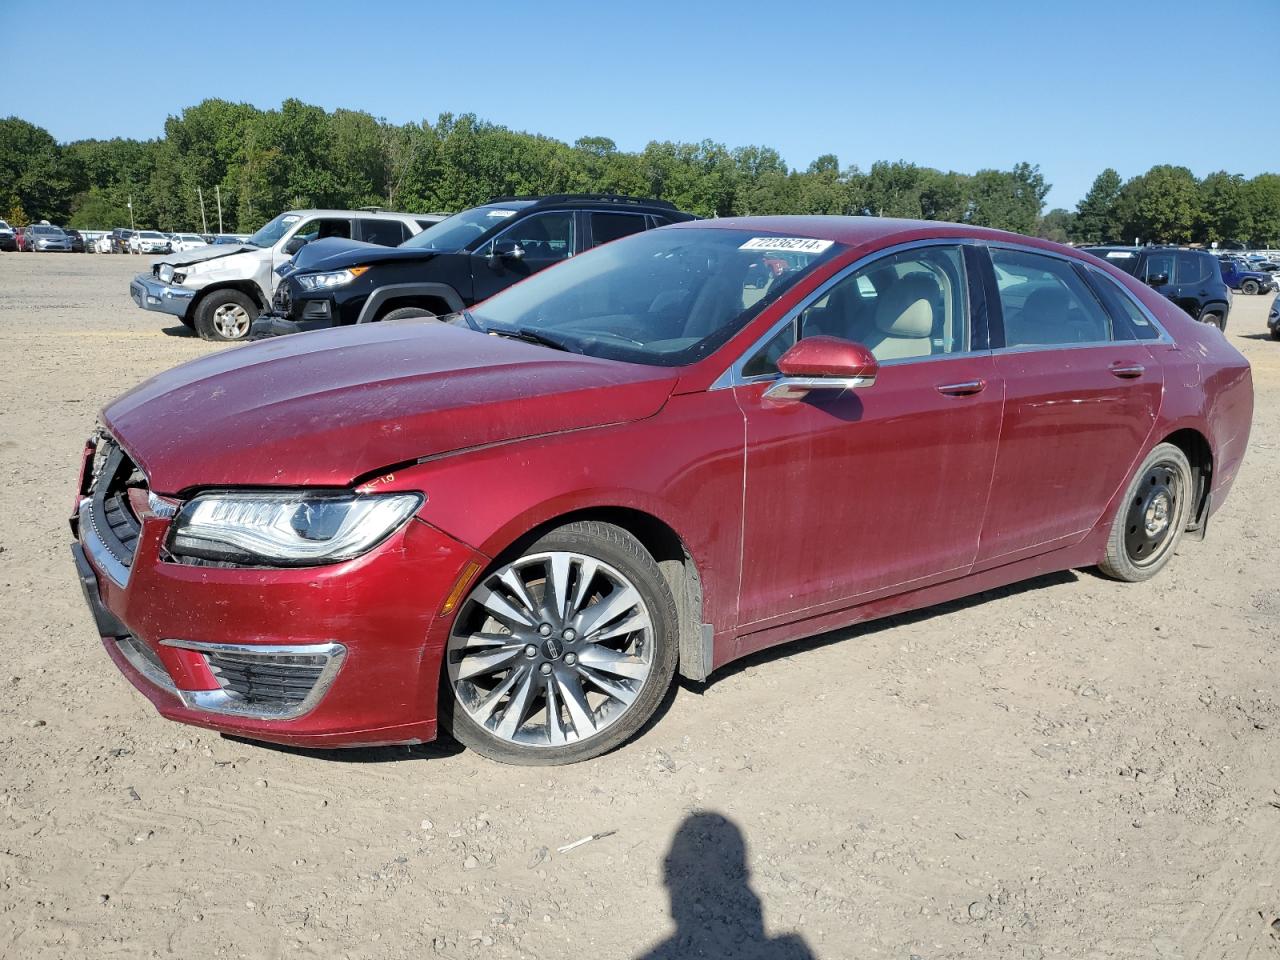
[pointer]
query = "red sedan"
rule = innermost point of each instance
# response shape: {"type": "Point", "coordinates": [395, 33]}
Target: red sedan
{"type": "Point", "coordinates": [664, 454]}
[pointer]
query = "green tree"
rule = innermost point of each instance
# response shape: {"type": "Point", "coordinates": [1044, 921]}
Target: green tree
{"type": "Point", "coordinates": [1057, 225]}
{"type": "Point", "coordinates": [1097, 219]}
{"type": "Point", "coordinates": [1161, 206]}
{"type": "Point", "coordinates": [1225, 209]}
{"type": "Point", "coordinates": [1008, 199]}
{"type": "Point", "coordinates": [1263, 193]}
{"type": "Point", "coordinates": [893, 190]}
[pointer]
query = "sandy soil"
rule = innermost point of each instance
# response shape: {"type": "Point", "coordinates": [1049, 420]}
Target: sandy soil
{"type": "Point", "coordinates": [1067, 768]}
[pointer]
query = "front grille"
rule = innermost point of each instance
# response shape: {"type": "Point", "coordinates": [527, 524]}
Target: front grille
{"type": "Point", "coordinates": [110, 511]}
{"type": "Point", "coordinates": [267, 680]}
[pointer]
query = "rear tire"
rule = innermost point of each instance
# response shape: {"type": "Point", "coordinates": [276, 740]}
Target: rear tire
{"type": "Point", "coordinates": [576, 633]}
{"type": "Point", "coordinates": [1152, 516]}
{"type": "Point", "coordinates": [405, 313]}
{"type": "Point", "coordinates": [1218, 319]}
{"type": "Point", "coordinates": [226, 316]}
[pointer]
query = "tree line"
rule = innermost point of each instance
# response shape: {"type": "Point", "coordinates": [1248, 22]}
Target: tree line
{"type": "Point", "coordinates": [266, 161]}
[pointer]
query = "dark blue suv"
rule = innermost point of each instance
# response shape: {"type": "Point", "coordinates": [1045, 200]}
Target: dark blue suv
{"type": "Point", "coordinates": [1238, 275]}
{"type": "Point", "coordinates": [1190, 278]}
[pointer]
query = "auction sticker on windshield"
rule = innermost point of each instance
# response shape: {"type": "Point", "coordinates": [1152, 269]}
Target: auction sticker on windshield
{"type": "Point", "coordinates": [501, 213]}
{"type": "Point", "coordinates": [791, 244]}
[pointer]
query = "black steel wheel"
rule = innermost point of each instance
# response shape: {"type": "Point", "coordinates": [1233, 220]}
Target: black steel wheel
{"type": "Point", "coordinates": [1150, 521]}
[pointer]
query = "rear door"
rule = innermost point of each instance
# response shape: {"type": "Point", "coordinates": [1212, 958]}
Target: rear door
{"type": "Point", "coordinates": [1080, 401]}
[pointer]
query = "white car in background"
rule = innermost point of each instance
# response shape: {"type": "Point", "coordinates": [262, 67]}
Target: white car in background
{"type": "Point", "coordinates": [183, 242]}
{"type": "Point", "coordinates": [149, 241]}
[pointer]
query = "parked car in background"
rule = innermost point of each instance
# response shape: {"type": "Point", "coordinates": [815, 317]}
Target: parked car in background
{"type": "Point", "coordinates": [1190, 278]}
{"type": "Point", "coordinates": [104, 244]}
{"type": "Point", "coordinates": [77, 241]}
{"type": "Point", "coordinates": [120, 240]}
{"type": "Point", "coordinates": [149, 241]}
{"type": "Point", "coordinates": [1273, 318]}
{"type": "Point", "coordinates": [184, 242]}
{"type": "Point", "coordinates": [219, 291]}
{"type": "Point", "coordinates": [45, 238]}
{"type": "Point", "coordinates": [454, 264]}
{"type": "Point", "coordinates": [519, 524]}
{"type": "Point", "coordinates": [1240, 275]}
{"type": "Point", "coordinates": [8, 237]}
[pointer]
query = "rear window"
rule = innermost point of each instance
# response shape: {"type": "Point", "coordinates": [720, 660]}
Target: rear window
{"type": "Point", "coordinates": [1126, 260]}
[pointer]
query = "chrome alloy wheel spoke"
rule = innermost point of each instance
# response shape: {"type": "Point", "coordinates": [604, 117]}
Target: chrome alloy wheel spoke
{"type": "Point", "coordinates": [550, 649]}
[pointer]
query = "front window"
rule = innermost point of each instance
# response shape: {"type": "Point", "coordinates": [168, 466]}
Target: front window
{"type": "Point", "coordinates": [270, 234]}
{"type": "Point", "coordinates": [904, 306]}
{"type": "Point", "coordinates": [665, 297]}
{"type": "Point", "coordinates": [462, 228]}
{"type": "Point", "coordinates": [543, 237]}
{"type": "Point", "coordinates": [45, 231]}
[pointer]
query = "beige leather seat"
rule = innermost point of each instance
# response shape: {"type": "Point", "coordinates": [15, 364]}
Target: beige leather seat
{"type": "Point", "coordinates": [904, 319]}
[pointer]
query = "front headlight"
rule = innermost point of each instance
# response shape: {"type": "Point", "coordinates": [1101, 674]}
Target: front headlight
{"type": "Point", "coordinates": [324, 281]}
{"type": "Point", "coordinates": [288, 529]}
{"type": "Point", "coordinates": [165, 273]}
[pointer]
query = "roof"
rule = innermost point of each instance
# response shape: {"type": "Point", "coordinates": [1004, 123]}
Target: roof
{"type": "Point", "coordinates": [866, 231]}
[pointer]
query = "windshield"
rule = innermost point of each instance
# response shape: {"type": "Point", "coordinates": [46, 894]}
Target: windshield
{"type": "Point", "coordinates": [47, 231]}
{"type": "Point", "coordinates": [1126, 260]}
{"type": "Point", "coordinates": [664, 298]}
{"type": "Point", "coordinates": [270, 234]}
{"type": "Point", "coordinates": [460, 229]}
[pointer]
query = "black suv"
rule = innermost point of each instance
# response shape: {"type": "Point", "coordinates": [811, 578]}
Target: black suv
{"type": "Point", "coordinates": [452, 265]}
{"type": "Point", "coordinates": [1190, 278]}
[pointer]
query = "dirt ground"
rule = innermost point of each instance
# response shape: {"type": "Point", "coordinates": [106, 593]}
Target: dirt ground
{"type": "Point", "coordinates": [1066, 768]}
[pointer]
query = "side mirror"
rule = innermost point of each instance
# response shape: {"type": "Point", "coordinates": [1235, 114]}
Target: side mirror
{"type": "Point", "coordinates": [505, 250]}
{"type": "Point", "coordinates": [823, 363]}
{"type": "Point", "coordinates": [296, 243]}
{"type": "Point", "coordinates": [1158, 279]}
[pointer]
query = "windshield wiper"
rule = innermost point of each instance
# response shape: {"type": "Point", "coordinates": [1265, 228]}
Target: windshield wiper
{"type": "Point", "coordinates": [530, 336]}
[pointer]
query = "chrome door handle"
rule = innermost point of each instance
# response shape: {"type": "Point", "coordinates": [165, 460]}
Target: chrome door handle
{"type": "Point", "coordinates": [1127, 371]}
{"type": "Point", "coordinates": [966, 388]}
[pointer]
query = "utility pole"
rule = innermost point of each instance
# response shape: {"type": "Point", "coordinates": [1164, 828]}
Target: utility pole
{"type": "Point", "coordinates": [204, 224]}
{"type": "Point", "coordinates": [132, 227]}
{"type": "Point", "coordinates": [217, 189]}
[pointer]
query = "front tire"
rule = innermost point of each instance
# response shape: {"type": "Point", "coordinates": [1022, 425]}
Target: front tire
{"type": "Point", "coordinates": [225, 316]}
{"type": "Point", "coordinates": [562, 651]}
{"type": "Point", "coordinates": [405, 313]}
{"type": "Point", "coordinates": [1152, 517]}
{"type": "Point", "coordinates": [1250, 287]}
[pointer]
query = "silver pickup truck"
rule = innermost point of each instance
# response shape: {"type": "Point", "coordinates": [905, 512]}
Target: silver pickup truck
{"type": "Point", "coordinates": [219, 290]}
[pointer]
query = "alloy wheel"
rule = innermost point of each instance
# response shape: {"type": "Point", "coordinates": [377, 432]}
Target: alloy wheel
{"type": "Point", "coordinates": [231, 320]}
{"type": "Point", "coordinates": [550, 649]}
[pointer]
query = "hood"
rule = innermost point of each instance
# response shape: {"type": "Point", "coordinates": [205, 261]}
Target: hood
{"type": "Point", "coordinates": [335, 253]}
{"type": "Point", "coordinates": [329, 407]}
{"type": "Point", "coordinates": [209, 252]}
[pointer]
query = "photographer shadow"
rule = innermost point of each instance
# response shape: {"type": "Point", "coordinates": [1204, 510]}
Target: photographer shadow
{"type": "Point", "coordinates": [717, 914]}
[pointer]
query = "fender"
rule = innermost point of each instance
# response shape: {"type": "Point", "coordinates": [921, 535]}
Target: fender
{"type": "Point", "coordinates": [441, 291]}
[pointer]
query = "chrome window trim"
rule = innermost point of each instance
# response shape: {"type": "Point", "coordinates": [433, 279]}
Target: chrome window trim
{"type": "Point", "coordinates": [221, 702]}
{"type": "Point", "coordinates": [733, 377]}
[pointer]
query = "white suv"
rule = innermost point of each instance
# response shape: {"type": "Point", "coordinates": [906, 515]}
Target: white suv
{"type": "Point", "coordinates": [219, 290]}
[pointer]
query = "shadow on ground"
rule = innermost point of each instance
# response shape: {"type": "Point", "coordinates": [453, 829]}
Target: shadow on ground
{"type": "Point", "coordinates": [716, 912]}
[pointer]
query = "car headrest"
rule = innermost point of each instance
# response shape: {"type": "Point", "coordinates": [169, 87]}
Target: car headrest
{"type": "Point", "coordinates": [906, 308]}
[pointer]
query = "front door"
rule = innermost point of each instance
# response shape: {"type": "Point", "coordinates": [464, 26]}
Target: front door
{"type": "Point", "coordinates": [530, 244]}
{"type": "Point", "coordinates": [1080, 401]}
{"type": "Point", "coordinates": [881, 489]}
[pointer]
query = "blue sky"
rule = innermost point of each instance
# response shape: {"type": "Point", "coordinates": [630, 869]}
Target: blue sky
{"type": "Point", "coordinates": [1073, 86]}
